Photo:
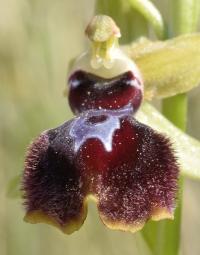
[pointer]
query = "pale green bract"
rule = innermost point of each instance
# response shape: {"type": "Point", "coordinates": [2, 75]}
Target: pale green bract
{"type": "Point", "coordinates": [168, 67]}
{"type": "Point", "coordinates": [187, 149]}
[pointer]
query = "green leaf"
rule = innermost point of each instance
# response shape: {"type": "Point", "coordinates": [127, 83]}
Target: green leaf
{"type": "Point", "coordinates": [170, 67]}
{"type": "Point", "coordinates": [187, 148]}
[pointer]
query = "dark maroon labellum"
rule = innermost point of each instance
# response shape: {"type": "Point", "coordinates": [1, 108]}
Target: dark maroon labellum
{"type": "Point", "coordinates": [88, 91]}
{"type": "Point", "coordinates": [127, 167]}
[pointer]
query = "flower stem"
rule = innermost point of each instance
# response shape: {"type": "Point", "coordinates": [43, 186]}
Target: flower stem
{"type": "Point", "coordinates": [184, 20]}
{"type": "Point", "coordinates": [185, 16]}
{"type": "Point", "coordinates": [175, 109]}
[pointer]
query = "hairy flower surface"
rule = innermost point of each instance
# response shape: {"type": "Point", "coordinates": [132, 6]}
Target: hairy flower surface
{"type": "Point", "coordinates": [127, 167]}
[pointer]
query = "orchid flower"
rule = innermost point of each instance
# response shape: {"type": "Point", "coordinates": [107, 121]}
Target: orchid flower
{"type": "Point", "coordinates": [104, 153]}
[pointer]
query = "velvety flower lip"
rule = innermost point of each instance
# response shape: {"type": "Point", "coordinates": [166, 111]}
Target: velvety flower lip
{"type": "Point", "coordinates": [130, 171]}
{"type": "Point", "coordinates": [88, 91]}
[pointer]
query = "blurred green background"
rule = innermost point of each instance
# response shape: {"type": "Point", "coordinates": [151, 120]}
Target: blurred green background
{"type": "Point", "coordinates": [37, 40]}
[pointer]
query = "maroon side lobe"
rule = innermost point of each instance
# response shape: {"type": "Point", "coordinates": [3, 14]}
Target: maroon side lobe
{"type": "Point", "coordinates": [88, 91]}
{"type": "Point", "coordinates": [126, 166]}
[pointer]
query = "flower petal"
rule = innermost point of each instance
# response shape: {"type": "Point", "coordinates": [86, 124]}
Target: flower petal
{"type": "Point", "coordinates": [52, 183]}
{"type": "Point", "coordinates": [168, 67]}
{"type": "Point", "coordinates": [140, 182]}
{"type": "Point", "coordinates": [128, 168]}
